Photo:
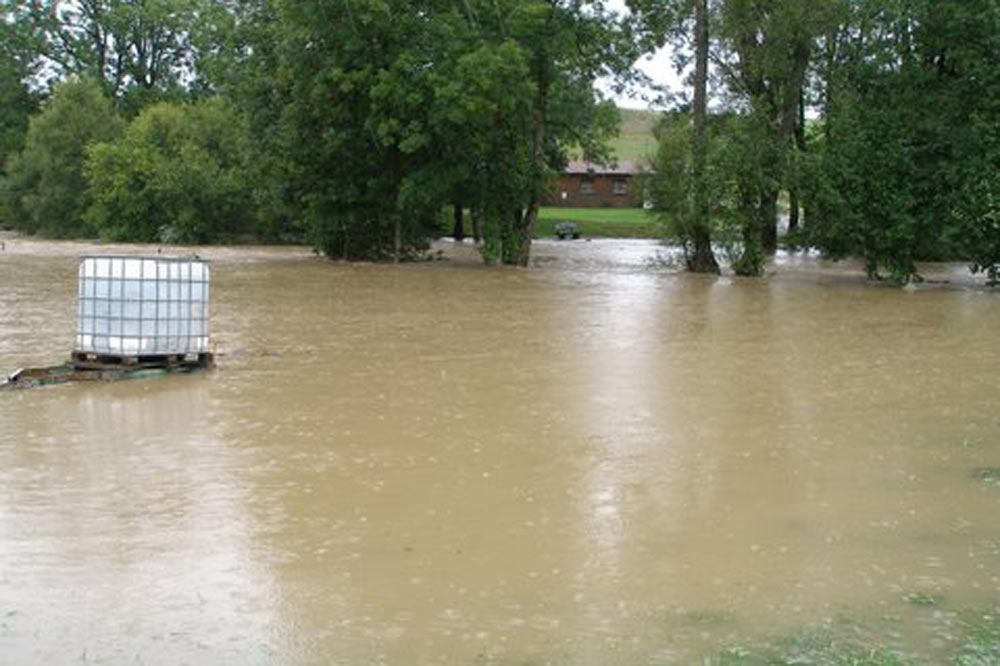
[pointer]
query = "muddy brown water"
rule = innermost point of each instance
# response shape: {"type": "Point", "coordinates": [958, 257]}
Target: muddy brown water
{"type": "Point", "coordinates": [597, 461]}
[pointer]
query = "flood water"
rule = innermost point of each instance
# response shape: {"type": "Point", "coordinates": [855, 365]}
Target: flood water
{"type": "Point", "coordinates": [595, 461]}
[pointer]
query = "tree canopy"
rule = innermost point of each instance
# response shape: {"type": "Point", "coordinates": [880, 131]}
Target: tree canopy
{"type": "Point", "coordinates": [352, 125]}
{"type": "Point", "coordinates": [899, 164]}
{"type": "Point", "coordinates": [175, 176]}
{"type": "Point", "coordinates": [17, 100]}
{"type": "Point", "coordinates": [140, 50]}
{"type": "Point", "coordinates": [393, 109]}
{"type": "Point", "coordinates": [45, 191]}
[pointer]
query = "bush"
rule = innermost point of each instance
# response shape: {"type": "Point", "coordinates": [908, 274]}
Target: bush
{"type": "Point", "coordinates": [45, 191]}
{"type": "Point", "coordinates": [176, 176]}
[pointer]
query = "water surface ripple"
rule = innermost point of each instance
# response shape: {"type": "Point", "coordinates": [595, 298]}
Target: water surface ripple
{"type": "Point", "coordinates": [584, 463]}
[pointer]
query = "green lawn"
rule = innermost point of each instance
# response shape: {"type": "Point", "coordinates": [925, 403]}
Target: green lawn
{"type": "Point", "coordinates": [600, 222]}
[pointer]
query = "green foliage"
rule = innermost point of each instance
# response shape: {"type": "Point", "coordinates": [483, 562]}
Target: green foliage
{"type": "Point", "coordinates": [973, 640]}
{"type": "Point", "coordinates": [906, 168]}
{"type": "Point", "coordinates": [369, 116]}
{"type": "Point", "coordinates": [762, 51]}
{"type": "Point", "coordinates": [240, 57]}
{"type": "Point", "coordinates": [483, 115]}
{"type": "Point", "coordinates": [176, 176]}
{"type": "Point", "coordinates": [741, 176]}
{"type": "Point", "coordinates": [977, 213]}
{"type": "Point", "coordinates": [767, 48]}
{"type": "Point", "coordinates": [670, 186]}
{"type": "Point", "coordinates": [356, 93]}
{"type": "Point", "coordinates": [820, 647]}
{"type": "Point", "coordinates": [923, 598]}
{"type": "Point", "coordinates": [45, 191]}
{"type": "Point", "coordinates": [378, 113]}
{"type": "Point", "coordinates": [982, 639]}
{"type": "Point", "coordinates": [17, 102]}
{"type": "Point", "coordinates": [732, 182]}
{"type": "Point", "coordinates": [863, 198]}
{"type": "Point", "coordinates": [562, 47]}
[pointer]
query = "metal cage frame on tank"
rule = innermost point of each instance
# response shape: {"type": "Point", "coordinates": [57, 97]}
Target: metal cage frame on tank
{"type": "Point", "coordinates": [145, 311]}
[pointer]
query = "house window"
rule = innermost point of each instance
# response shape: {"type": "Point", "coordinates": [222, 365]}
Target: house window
{"type": "Point", "coordinates": [587, 187]}
{"type": "Point", "coordinates": [620, 186]}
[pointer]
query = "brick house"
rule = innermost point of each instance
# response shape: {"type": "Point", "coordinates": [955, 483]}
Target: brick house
{"type": "Point", "coordinates": [586, 185]}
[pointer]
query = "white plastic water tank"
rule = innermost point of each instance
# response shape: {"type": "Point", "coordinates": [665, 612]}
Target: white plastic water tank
{"type": "Point", "coordinates": [142, 306]}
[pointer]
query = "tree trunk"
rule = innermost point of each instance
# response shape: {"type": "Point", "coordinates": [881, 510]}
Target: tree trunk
{"type": "Point", "coordinates": [793, 209]}
{"type": "Point", "coordinates": [511, 240]}
{"type": "Point", "coordinates": [750, 261]}
{"type": "Point", "coordinates": [769, 221]}
{"type": "Point", "coordinates": [528, 231]}
{"type": "Point", "coordinates": [828, 91]}
{"type": "Point", "coordinates": [397, 237]}
{"type": "Point", "coordinates": [790, 102]}
{"type": "Point", "coordinates": [458, 231]}
{"type": "Point", "coordinates": [703, 259]}
{"type": "Point", "coordinates": [800, 149]}
{"type": "Point", "coordinates": [526, 228]}
{"type": "Point", "coordinates": [527, 225]}
{"type": "Point", "coordinates": [477, 225]}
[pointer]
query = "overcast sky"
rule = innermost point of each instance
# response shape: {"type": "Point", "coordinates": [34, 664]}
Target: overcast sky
{"type": "Point", "coordinates": [657, 66]}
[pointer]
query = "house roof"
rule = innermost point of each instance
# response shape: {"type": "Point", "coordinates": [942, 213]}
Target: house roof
{"type": "Point", "coordinates": [623, 168]}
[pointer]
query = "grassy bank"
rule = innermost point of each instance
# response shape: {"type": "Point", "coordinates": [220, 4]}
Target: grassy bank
{"type": "Point", "coordinates": [635, 139]}
{"type": "Point", "coordinates": [600, 222]}
{"type": "Point", "coordinates": [964, 638]}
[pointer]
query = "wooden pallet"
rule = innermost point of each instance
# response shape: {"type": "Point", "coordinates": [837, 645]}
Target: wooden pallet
{"type": "Point", "coordinates": [105, 369]}
{"type": "Point", "coordinates": [91, 361]}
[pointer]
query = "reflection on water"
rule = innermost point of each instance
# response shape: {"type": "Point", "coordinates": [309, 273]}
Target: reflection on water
{"type": "Point", "coordinates": [117, 499]}
{"type": "Point", "coordinates": [592, 462]}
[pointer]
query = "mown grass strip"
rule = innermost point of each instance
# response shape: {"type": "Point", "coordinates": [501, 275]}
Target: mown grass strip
{"type": "Point", "coordinates": [600, 222]}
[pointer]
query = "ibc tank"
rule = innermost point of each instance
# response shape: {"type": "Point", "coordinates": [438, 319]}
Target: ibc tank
{"type": "Point", "coordinates": [142, 306]}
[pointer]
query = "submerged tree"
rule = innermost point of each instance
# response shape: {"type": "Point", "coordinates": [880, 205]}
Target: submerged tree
{"type": "Point", "coordinates": [388, 111]}
{"type": "Point", "coordinates": [680, 187]}
{"type": "Point", "coordinates": [765, 56]}
{"type": "Point", "coordinates": [898, 166]}
{"type": "Point", "coordinates": [761, 51]}
{"type": "Point", "coordinates": [702, 259]}
{"type": "Point", "coordinates": [567, 45]}
{"type": "Point", "coordinates": [355, 81]}
{"type": "Point", "coordinates": [901, 173]}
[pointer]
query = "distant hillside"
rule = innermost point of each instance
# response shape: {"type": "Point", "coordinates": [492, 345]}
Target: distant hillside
{"type": "Point", "coordinates": [635, 140]}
